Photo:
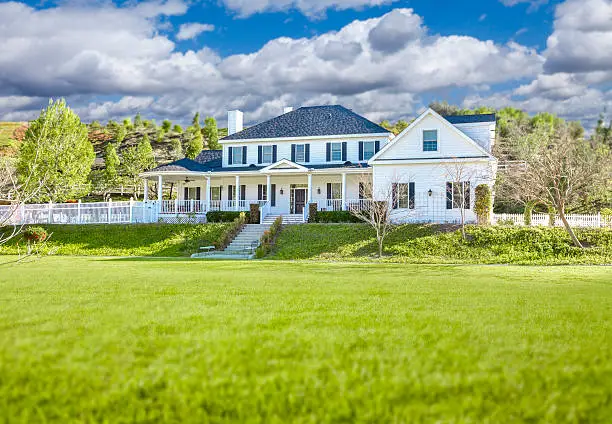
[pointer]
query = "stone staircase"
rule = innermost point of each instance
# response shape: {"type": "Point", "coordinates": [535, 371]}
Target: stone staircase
{"type": "Point", "coordinates": [242, 247]}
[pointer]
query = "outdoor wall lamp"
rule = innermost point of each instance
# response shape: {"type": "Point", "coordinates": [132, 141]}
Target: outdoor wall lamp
{"type": "Point", "coordinates": [430, 193]}
{"type": "Point", "coordinates": [318, 190]}
{"type": "Point", "coordinates": [281, 191]}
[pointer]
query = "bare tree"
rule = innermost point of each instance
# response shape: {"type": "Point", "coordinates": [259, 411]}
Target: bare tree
{"type": "Point", "coordinates": [557, 170]}
{"type": "Point", "coordinates": [376, 205]}
{"type": "Point", "coordinates": [462, 178]}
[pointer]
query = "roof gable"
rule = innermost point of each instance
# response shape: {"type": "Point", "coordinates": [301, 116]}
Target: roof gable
{"type": "Point", "coordinates": [284, 165]}
{"type": "Point", "coordinates": [314, 121]}
{"type": "Point", "coordinates": [406, 136]}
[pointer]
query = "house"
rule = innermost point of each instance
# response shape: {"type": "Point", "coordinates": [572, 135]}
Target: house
{"type": "Point", "coordinates": [335, 158]}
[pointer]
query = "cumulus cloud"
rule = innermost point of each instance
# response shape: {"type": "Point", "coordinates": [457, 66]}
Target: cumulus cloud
{"type": "Point", "coordinates": [192, 30]}
{"type": "Point", "coordinates": [311, 8]}
{"type": "Point", "coordinates": [378, 66]}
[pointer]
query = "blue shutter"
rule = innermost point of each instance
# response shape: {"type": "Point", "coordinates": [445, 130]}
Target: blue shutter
{"type": "Point", "coordinates": [199, 193]}
{"type": "Point", "coordinates": [466, 194]}
{"type": "Point", "coordinates": [361, 150]}
{"type": "Point", "coordinates": [329, 191]}
{"type": "Point", "coordinates": [376, 146]}
{"type": "Point", "coordinates": [259, 191]}
{"type": "Point", "coordinates": [186, 194]}
{"type": "Point", "coordinates": [274, 153]}
{"type": "Point", "coordinates": [344, 151]}
{"type": "Point", "coordinates": [307, 152]}
{"type": "Point", "coordinates": [293, 153]}
{"type": "Point", "coordinates": [449, 195]}
{"type": "Point", "coordinates": [244, 155]}
{"type": "Point", "coordinates": [230, 192]}
{"type": "Point", "coordinates": [273, 195]}
{"type": "Point", "coordinates": [259, 154]}
{"type": "Point", "coordinates": [243, 192]}
{"type": "Point", "coordinates": [411, 196]}
{"type": "Point", "coordinates": [229, 155]}
{"type": "Point", "coordinates": [328, 147]}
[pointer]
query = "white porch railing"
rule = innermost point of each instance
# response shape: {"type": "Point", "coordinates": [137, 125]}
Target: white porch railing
{"type": "Point", "coordinates": [264, 210]}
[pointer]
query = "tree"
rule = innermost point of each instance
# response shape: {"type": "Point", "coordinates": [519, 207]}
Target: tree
{"type": "Point", "coordinates": [136, 160]}
{"type": "Point", "coordinates": [195, 145]}
{"type": "Point", "coordinates": [166, 125]}
{"type": "Point", "coordinates": [195, 123]}
{"type": "Point", "coordinates": [211, 133]}
{"type": "Point", "coordinates": [177, 129]}
{"type": "Point", "coordinates": [56, 150]}
{"type": "Point", "coordinates": [120, 133]}
{"type": "Point", "coordinates": [177, 148]}
{"type": "Point", "coordinates": [557, 170]}
{"type": "Point", "coordinates": [138, 121]}
{"type": "Point", "coordinates": [111, 166]}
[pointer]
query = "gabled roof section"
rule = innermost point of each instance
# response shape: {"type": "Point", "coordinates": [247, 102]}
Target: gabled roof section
{"type": "Point", "coordinates": [285, 165]}
{"type": "Point", "coordinates": [416, 122]}
{"type": "Point", "coordinates": [470, 119]}
{"type": "Point", "coordinates": [314, 121]}
{"type": "Point", "coordinates": [207, 160]}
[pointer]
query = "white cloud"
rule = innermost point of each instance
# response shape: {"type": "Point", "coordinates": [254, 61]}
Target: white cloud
{"type": "Point", "coordinates": [192, 30]}
{"type": "Point", "coordinates": [246, 8]}
{"type": "Point", "coordinates": [533, 4]}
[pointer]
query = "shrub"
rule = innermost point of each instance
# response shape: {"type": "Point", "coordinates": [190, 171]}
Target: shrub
{"type": "Point", "coordinates": [327, 217]}
{"type": "Point", "coordinates": [606, 216]}
{"type": "Point", "coordinates": [254, 214]}
{"type": "Point", "coordinates": [505, 222]}
{"type": "Point", "coordinates": [313, 210]}
{"type": "Point", "coordinates": [225, 216]}
{"type": "Point", "coordinates": [268, 238]}
{"type": "Point", "coordinates": [233, 231]}
{"type": "Point", "coordinates": [35, 234]}
{"type": "Point", "coordinates": [483, 204]}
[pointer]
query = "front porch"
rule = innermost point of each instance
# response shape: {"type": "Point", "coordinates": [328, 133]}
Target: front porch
{"type": "Point", "coordinates": [277, 192]}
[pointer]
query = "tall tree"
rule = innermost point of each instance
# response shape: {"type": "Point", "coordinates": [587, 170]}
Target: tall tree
{"type": "Point", "coordinates": [211, 133]}
{"type": "Point", "coordinates": [56, 150]}
{"type": "Point", "coordinates": [195, 145]}
{"type": "Point", "coordinates": [138, 121]}
{"type": "Point", "coordinates": [136, 160]}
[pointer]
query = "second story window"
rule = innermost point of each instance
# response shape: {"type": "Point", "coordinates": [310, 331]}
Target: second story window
{"type": "Point", "coordinates": [430, 140]}
{"type": "Point", "coordinates": [267, 154]}
{"type": "Point", "coordinates": [369, 150]}
{"type": "Point", "coordinates": [300, 153]}
{"type": "Point", "coordinates": [237, 155]}
{"type": "Point", "coordinates": [336, 151]}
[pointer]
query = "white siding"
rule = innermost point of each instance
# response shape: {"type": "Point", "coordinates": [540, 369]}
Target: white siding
{"type": "Point", "coordinates": [482, 133]}
{"type": "Point", "coordinates": [317, 150]}
{"type": "Point", "coordinates": [450, 144]}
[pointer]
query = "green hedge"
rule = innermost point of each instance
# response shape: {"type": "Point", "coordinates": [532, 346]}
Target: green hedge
{"type": "Point", "coordinates": [124, 240]}
{"type": "Point", "coordinates": [444, 244]}
{"type": "Point", "coordinates": [327, 217]}
{"type": "Point", "coordinates": [226, 216]}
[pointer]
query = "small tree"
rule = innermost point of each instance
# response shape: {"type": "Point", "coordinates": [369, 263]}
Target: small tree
{"type": "Point", "coordinates": [211, 133]}
{"type": "Point", "coordinates": [136, 160]}
{"type": "Point", "coordinates": [120, 133]}
{"type": "Point", "coordinates": [111, 166]}
{"type": "Point", "coordinates": [166, 125]}
{"type": "Point", "coordinates": [56, 150]}
{"type": "Point", "coordinates": [483, 204]}
{"type": "Point", "coordinates": [138, 121]}
{"type": "Point", "coordinates": [177, 148]}
{"type": "Point", "coordinates": [558, 169]}
{"type": "Point", "coordinates": [177, 129]}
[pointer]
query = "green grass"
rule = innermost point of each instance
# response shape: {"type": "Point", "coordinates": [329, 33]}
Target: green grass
{"type": "Point", "coordinates": [6, 134]}
{"type": "Point", "coordinates": [434, 244]}
{"type": "Point", "coordinates": [126, 240]}
{"type": "Point", "coordinates": [135, 340]}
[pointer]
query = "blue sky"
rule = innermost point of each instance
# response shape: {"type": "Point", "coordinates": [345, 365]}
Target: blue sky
{"type": "Point", "coordinates": [385, 59]}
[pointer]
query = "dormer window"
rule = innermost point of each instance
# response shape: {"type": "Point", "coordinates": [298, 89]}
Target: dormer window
{"type": "Point", "coordinates": [336, 151]}
{"type": "Point", "coordinates": [237, 155]}
{"type": "Point", "coordinates": [430, 140]}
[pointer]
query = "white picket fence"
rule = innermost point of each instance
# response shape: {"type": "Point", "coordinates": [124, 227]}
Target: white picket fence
{"type": "Point", "coordinates": [540, 219]}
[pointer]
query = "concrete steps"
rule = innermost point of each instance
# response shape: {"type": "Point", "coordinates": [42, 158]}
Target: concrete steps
{"type": "Point", "coordinates": [287, 219]}
{"type": "Point", "coordinates": [242, 247]}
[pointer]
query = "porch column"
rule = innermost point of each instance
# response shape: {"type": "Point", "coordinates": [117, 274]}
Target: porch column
{"type": "Point", "coordinates": [344, 191]}
{"type": "Point", "coordinates": [237, 192]}
{"type": "Point", "coordinates": [146, 190]}
{"type": "Point", "coordinates": [207, 194]}
{"type": "Point", "coordinates": [269, 189]}
{"type": "Point", "coordinates": [160, 192]}
{"type": "Point", "coordinates": [309, 200]}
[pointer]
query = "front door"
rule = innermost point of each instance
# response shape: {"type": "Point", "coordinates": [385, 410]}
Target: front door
{"type": "Point", "coordinates": [299, 201]}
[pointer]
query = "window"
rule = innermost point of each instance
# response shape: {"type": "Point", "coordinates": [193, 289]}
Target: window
{"type": "Point", "coordinates": [336, 191]}
{"type": "Point", "coordinates": [430, 140]}
{"type": "Point", "coordinates": [458, 195]}
{"type": "Point", "coordinates": [336, 151]}
{"type": "Point", "coordinates": [215, 193]}
{"type": "Point", "coordinates": [267, 154]}
{"type": "Point", "coordinates": [262, 192]}
{"type": "Point", "coordinates": [300, 153]}
{"type": "Point", "coordinates": [400, 196]}
{"type": "Point", "coordinates": [192, 193]}
{"type": "Point", "coordinates": [369, 150]}
{"type": "Point", "coordinates": [236, 155]}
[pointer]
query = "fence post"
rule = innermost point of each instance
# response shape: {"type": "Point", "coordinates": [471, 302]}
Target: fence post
{"type": "Point", "coordinates": [599, 220]}
{"type": "Point", "coordinates": [22, 218]}
{"type": "Point", "coordinates": [49, 215]}
{"type": "Point", "coordinates": [131, 209]}
{"type": "Point", "coordinates": [110, 205]}
{"type": "Point", "coordinates": [79, 212]}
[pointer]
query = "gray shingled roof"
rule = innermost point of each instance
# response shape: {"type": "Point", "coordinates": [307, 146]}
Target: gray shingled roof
{"type": "Point", "coordinates": [206, 161]}
{"type": "Point", "coordinates": [470, 119]}
{"type": "Point", "coordinates": [310, 122]}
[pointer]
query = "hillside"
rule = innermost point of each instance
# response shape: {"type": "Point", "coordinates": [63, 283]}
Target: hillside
{"type": "Point", "coordinates": [9, 133]}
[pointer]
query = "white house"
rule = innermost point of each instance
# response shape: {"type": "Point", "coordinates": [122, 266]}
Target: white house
{"type": "Point", "coordinates": [335, 158]}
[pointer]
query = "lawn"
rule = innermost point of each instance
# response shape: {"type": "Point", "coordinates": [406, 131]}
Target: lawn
{"type": "Point", "coordinates": [149, 340]}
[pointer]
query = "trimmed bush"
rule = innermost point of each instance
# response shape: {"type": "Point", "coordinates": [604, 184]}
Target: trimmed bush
{"type": "Point", "coordinates": [225, 216]}
{"type": "Point", "coordinates": [331, 217]}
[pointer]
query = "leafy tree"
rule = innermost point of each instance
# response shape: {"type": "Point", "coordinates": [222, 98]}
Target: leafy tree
{"type": "Point", "coordinates": [160, 136]}
{"type": "Point", "coordinates": [177, 129]}
{"type": "Point", "coordinates": [195, 145]}
{"type": "Point", "coordinates": [111, 167]}
{"type": "Point", "coordinates": [177, 148]}
{"type": "Point", "coordinates": [120, 133]}
{"type": "Point", "coordinates": [136, 160]}
{"type": "Point", "coordinates": [211, 133]}
{"type": "Point", "coordinates": [55, 157]}
{"type": "Point", "coordinates": [166, 125]}
{"type": "Point", "coordinates": [603, 133]}
{"type": "Point", "coordinates": [138, 121]}
{"type": "Point", "coordinates": [95, 125]}
{"type": "Point", "coordinates": [195, 123]}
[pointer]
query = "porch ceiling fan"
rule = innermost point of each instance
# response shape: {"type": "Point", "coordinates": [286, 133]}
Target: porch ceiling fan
{"type": "Point", "coordinates": [187, 181]}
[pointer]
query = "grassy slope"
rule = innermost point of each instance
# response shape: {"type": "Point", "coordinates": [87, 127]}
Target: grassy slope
{"type": "Point", "coordinates": [127, 240]}
{"type": "Point", "coordinates": [425, 244]}
{"type": "Point", "coordinates": [7, 144]}
{"type": "Point", "coordinates": [93, 340]}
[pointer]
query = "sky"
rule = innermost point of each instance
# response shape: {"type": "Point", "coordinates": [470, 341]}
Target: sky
{"type": "Point", "coordinates": [384, 59]}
